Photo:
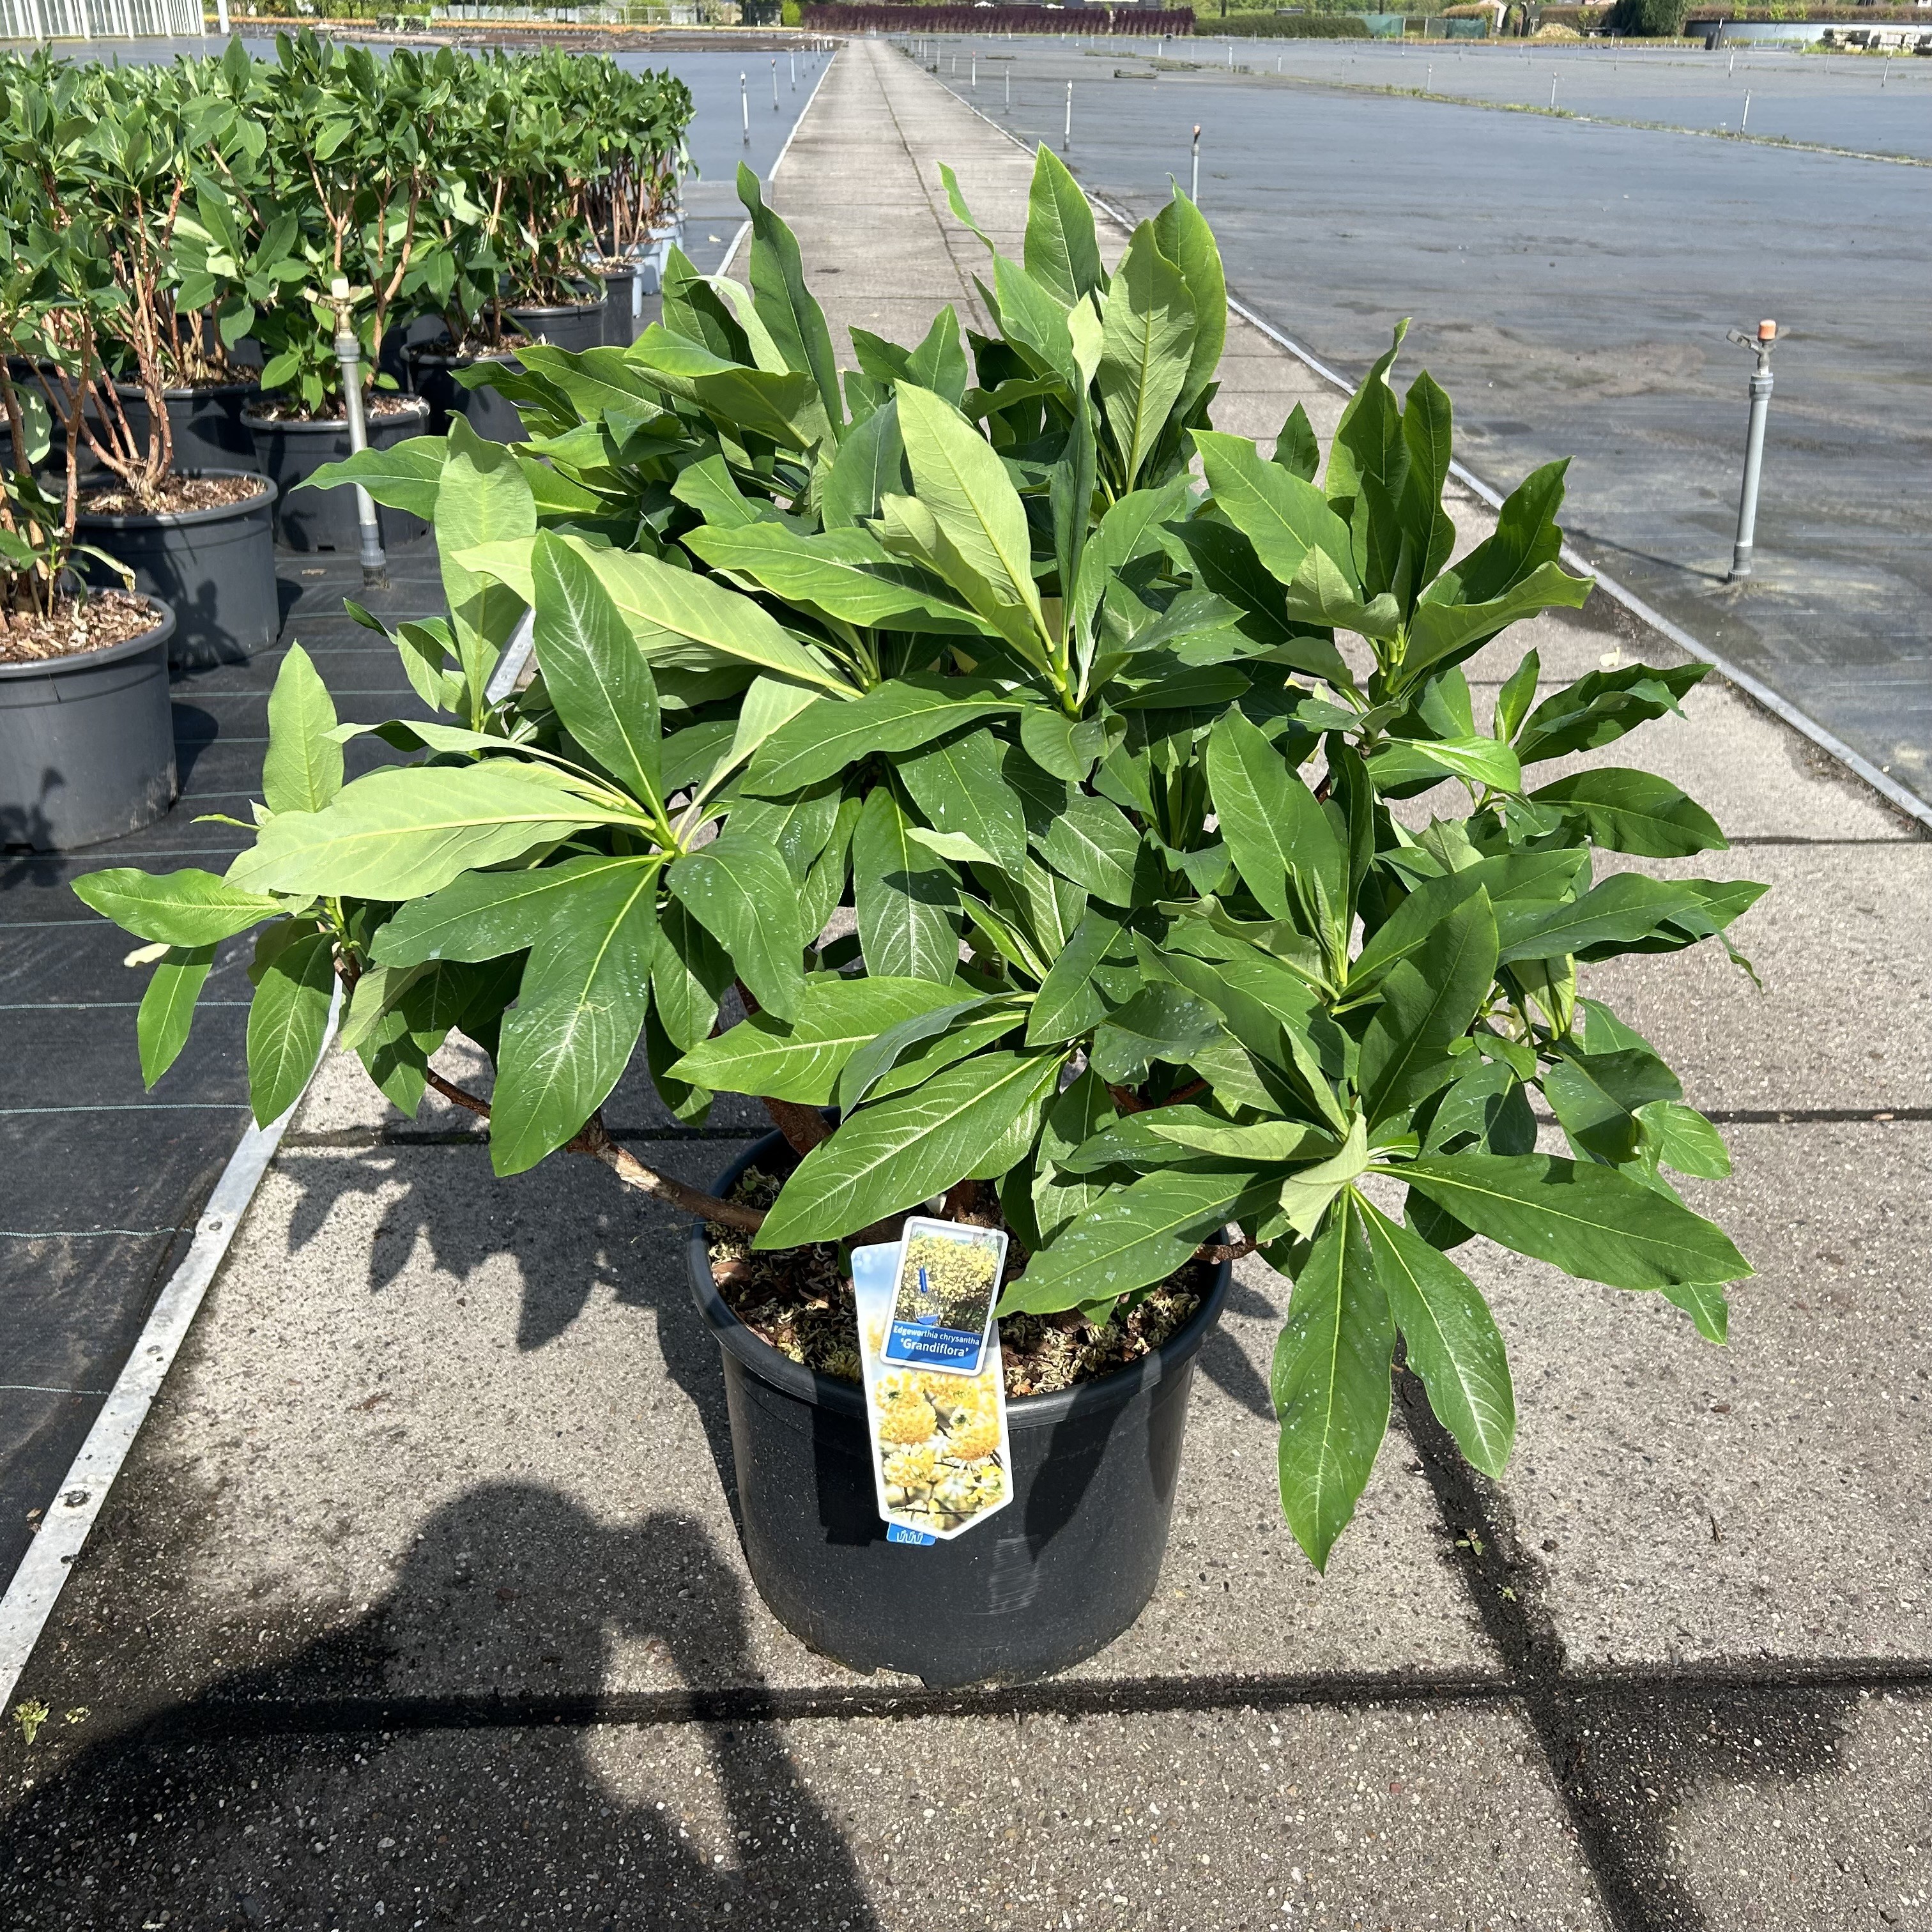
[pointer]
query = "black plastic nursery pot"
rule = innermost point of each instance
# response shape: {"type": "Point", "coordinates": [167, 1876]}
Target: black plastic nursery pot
{"type": "Point", "coordinates": [577, 327]}
{"type": "Point", "coordinates": [214, 567]}
{"type": "Point", "coordinates": [87, 743]}
{"type": "Point", "coordinates": [433, 377]}
{"type": "Point", "coordinates": [205, 424]}
{"type": "Point", "coordinates": [290, 451]}
{"type": "Point", "coordinates": [630, 303]}
{"type": "Point", "coordinates": [1053, 1577]}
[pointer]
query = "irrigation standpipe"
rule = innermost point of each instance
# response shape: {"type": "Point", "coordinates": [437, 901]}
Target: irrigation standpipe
{"type": "Point", "coordinates": [349, 353]}
{"type": "Point", "coordinates": [1762, 343]}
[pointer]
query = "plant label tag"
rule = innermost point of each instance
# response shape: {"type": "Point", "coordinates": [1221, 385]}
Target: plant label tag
{"type": "Point", "coordinates": [941, 1458]}
{"type": "Point", "coordinates": [948, 1280]}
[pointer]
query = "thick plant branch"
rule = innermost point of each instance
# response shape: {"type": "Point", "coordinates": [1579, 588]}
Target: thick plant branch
{"type": "Point", "coordinates": [1223, 1251]}
{"type": "Point", "coordinates": [595, 1141]}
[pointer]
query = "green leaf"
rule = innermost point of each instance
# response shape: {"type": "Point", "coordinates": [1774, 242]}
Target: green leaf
{"type": "Point", "coordinates": [785, 305]}
{"type": "Point", "coordinates": [1147, 340]}
{"type": "Point", "coordinates": [1092, 844]}
{"type": "Point", "coordinates": [1592, 1222]}
{"type": "Point", "coordinates": [484, 915]}
{"type": "Point", "coordinates": [897, 716]}
{"type": "Point", "coordinates": [1160, 1023]}
{"type": "Point", "coordinates": [939, 362]}
{"type": "Point", "coordinates": [1295, 449]}
{"type": "Point", "coordinates": [1704, 1302]}
{"type": "Point", "coordinates": [689, 975]}
{"type": "Point", "coordinates": [1598, 710]}
{"type": "Point", "coordinates": [907, 1053]}
{"type": "Point", "coordinates": [1281, 513]}
{"type": "Point", "coordinates": [406, 476]}
{"type": "Point", "coordinates": [1134, 1235]}
{"type": "Point", "coordinates": [1274, 830]}
{"type": "Point", "coordinates": [1188, 242]}
{"type": "Point", "coordinates": [1517, 695]}
{"type": "Point", "coordinates": [1075, 1116]}
{"type": "Point", "coordinates": [743, 895]}
{"type": "Point", "coordinates": [1256, 1144]}
{"type": "Point", "coordinates": [907, 897]}
{"type": "Point", "coordinates": [957, 784]}
{"type": "Point", "coordinates": [189, 908]}
{"type": "Point", "coordinates": [596, 675]}
{"type": "Point", "coordinates": [870, 464]}
{"type": "Point", "coordinates": [1595, 1097]}
{"type": "Point", "coordinates": [961, 484]}
{"type": "Point", "coordinates": [900, 1151]}
{"type": "Point", "coordinates": [405, 831]}
{"type": "Point", "coordinates": [1429, 1000]}
{"type": "Point", "coordinates": [1478, 761]}
{"type": "Point", "coordinates": [1062, 252]}
{"type": "Point", "coordinates": [483, 500]}
{"type": "Point", "coordinates": [581, 1006]}
{"type": "Point", "coordinates": [1331, 1382]}
{"type": "Point", "coordinates": [1068, 1001]}
{"type": "Point", "coordinates": [800, 1059]}
{"type": "Point", "coordinates": [846, 573]}
{"type": "Point", "coordinates": [1442, 625]}
{"type": "Point", "coordinates": [302, 770]}
{"type": "Point", "coordinates": [1626, 811]}
{"type": "Point", "coordinates": [1453, 1343]}
{"type": "Point", "coordinates": [167, 1008]}
{"type": "Point", "coordinates": [1622, 909]}
{"type": "Point", "coordinates": [1684, 1140]}
{"type": "Point", "coordinates": [287, 1021]}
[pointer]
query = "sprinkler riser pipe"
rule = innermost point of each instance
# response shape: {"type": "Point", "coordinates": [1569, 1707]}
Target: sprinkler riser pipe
{"type": "Point", "coordinates": [368, 532]}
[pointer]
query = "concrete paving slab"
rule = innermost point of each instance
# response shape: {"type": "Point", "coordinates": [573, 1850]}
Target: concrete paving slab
{"type": "Point", "coordinates": [1686, 1503]}
{"type": "Point", "coordinates": [1845, 1018]}
{"type": "Point", "coordinates": [1235, 1819]}
{"type": "Point", "coordinates": [412, 1378]}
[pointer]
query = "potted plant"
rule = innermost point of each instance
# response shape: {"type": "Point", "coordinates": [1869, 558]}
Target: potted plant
{"type": "Point", "coordinates": [129, 150]}
{"type": "Point", "coordinates": [350, 142]}
{"type": "Point", "coordinates": [639, 122]}
{"type": "Point", "coordinates": [1141, 955]}
{"type": "Point", "coordinates": [86, 735]}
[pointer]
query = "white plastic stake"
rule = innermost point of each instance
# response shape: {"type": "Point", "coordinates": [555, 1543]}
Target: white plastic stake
{"type": "Point", "coordinates": [1744, 120]}
{"type": "Point", "coordinates": [1067, 137]}
{"type": "Point", "coordinates": [745, 108]}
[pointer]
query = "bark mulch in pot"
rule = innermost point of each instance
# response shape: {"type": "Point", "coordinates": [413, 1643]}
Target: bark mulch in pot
{"type": "Point", "coordinates": [77, 625]}
{"type": "Point", "coordinates": [800, 1301]}
{"type": "Point", "coordinates": [176, 495]}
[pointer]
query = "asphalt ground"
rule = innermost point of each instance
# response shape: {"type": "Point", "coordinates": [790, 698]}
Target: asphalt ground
{"type": "Point", "coordinates": [1571, 282]}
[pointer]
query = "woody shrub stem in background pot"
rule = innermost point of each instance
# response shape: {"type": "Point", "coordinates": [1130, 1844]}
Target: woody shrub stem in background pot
{"type": "Point", "coordinates": [87, 745]}
{"type": "Point", "coordinates": [1051, 1579]}
{"type": "Point", "coordinates": [205, 422]}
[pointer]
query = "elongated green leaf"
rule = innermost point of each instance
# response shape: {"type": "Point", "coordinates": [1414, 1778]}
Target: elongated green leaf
{"type": "Point", "coordinates": [1281, 514]}
{"type": "Point", "coordinates": [483, 500]}
{"type": "Point", "coordinates": [1159, 1023]}
{"type": "Point", "coordinates": [1442, 625]}
{"type": "Point", "coordinates": [939, 362]}
{"type": "Point", "coordinates": [845, 572]}
{"type": "Point", "coordinates": [189, 908]}
{"type": "Point", "coordinates": [1477, 761]}
{"type": "Point", "coordinates": [743, 895]}
{"type": "Point", "coordinates": [1188, 242]}
{"type": "Point", "coordinates": [484, 915]}
{"type": "Point", "coordinates": [1092, 844]}
{"type": "Point", "coordinates": [1625, 810]}
{"type": "Point", "coordinates": [1599, 708]}
{"type": "Point", "coordinates": [1062, 251]}
{"type": "Point", "coordinates": [1330, 1383]}
{"type": "Point", "coordinates": [1595, 1097]}
{"type": "Point", "coordinates": [897, 716]}
{"type": "Point", "coordinates": [1069, 1000]}
{"type": "Point", "coordinates": [287, 1021]}
{"type": "Point", "coordinates": [1454, 1343]}
{"type": "Point", "coordinates": [784, 304]}
{"type": "Point", "coordinates": [302, 770]}
{"type": "Point", "coordinates": [1033, 320]}
{"type": "Point", "coordinates": [785, 407]}
{"type": "Point", "coordinates": [897, 1152]}
{"type": "Point", "coordinates": [406, 476]}
{"type": "Point", "coordinates": [577, 1016]}
{"type": "Point", "coordinates": [401, 833]}
{"type": "Point", "coordinates": [1273, 829]}
{"type": "Point", "coordinates": [870, 464]}
{"type": "Point", "coordinates": [963, 487]}
{"type": "Point", "coordinates": [1623, 909]}
{"type": "Point", "coordinates": [1135, 1234]}
{"type": "Point", "coordinates": [957, 784]}
{"type": "Point", "coordinates": [1704, 1302]}
{"type": "Point", "coordinates": [907, 896]}
{"type": "Point", "coordinates": [1429, 1000]}
{"type": "Point", "coordinates": [1684, 1139]}
{"type": "Point", "coordinates": [800, 1059]}
{"type": "Point", "coordinates": [597, 676]}
{"type": "Point", "coordinates": [167, 1008]}
{"type": "Point", "coordinates": [1147, 340]}
{"type": "Point", "coordinates": [1076, 1116]}
{"type": "Point", "coordinates": [1592, 1222]}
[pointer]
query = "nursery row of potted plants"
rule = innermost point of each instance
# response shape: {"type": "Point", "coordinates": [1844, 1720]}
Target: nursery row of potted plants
{"type": "Point", "coordinates": [172, 236]}
{"type": "Point", "coordinates": [1059, 816]}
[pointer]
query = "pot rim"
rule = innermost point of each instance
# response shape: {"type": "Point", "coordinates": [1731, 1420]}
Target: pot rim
{"type": "Point", "coordinates": [428, 356]}
{"type": "Point", "coordinates": [173, 390]}
{"type": "Point", "coordinates": [844, 1398]}
{"type": "Point", "coordinates": [413, 406]}
{"type": "Point", "coordinates": [555, 308]}
{"type": "Point", "coordinates": [159, 632]}
{"type": "Point", "coordinates": [214, 513]}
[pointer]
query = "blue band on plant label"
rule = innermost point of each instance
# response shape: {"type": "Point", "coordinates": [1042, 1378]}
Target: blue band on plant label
{"type": "Point", "coordinates": [897, 1532]}
{"type": "Point", "coordinates": [934, 1347]}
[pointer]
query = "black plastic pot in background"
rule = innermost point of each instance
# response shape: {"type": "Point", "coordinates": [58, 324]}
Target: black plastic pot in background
{"type": "Point", "coordinates": [628, 310]}
{"type": "Point", "coordinates": [578, 327]}
{"type": "Point", "coordinates": [432, 375]}
{"type": "Point", "coordinates": [215, 569]}
{"type": "Point", "coordinates": [1057, 1575]}
{"type": "Point", "coordinates": [290, 452]}
{"type": "Point", "coordinates": [205, 424]}
{"type": "Point", "coordinates": [87, 743]}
